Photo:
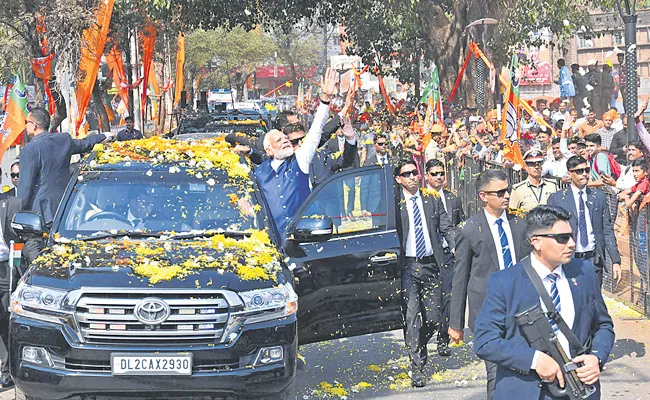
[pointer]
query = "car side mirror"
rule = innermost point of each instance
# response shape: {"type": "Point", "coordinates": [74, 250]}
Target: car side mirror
{"type": "Point", "coordinates": [314, 228]}
{"type": "Point", "coordinates": [27, 223]}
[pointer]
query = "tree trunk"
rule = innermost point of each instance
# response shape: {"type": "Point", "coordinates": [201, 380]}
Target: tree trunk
{"type": "Point", "coordinates": [98, 99]}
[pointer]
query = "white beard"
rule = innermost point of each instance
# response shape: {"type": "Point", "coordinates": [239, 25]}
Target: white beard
{"type": "Point", "coordinates": [283, 154]}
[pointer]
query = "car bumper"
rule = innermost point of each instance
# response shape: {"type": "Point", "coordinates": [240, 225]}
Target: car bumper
{"type": "Point", "coordinates": [218, 371]}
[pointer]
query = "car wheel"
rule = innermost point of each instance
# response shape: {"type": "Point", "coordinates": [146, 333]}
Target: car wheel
{"type": "Point", "coordinates": [19, 395]}
{"type": "Point", "coordinates": [289, 393]}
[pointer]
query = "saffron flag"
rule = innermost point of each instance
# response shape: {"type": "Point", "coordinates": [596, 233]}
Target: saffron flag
{"type": "Point", "coordinates": [510, 132]}
{"type": "Point", "coordinates": [92, 47]}
{"type": "Point", "coordinates": [180, 64]}
{"type": "Point", "coordinates": [148, 42]}
{"type": "Point", "coordinates": [155, 89]}
{"type": "Point", "coordinates": [384, 93]}
{"type": "Point", "coordinates": [14, 121]}
{"type": "Point", "coordinates": [43, 68]}
{"type": "Point", "coordinates": [116, 66]}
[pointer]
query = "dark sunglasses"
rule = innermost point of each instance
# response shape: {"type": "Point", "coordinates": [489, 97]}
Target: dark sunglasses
{"type": "Point", "coordinates": [561, 238]}
{"type": "Point", "coordinates": [380, 143]}
{"type": "Point", "coordinates": [499, 193]}
{"type": "Point", "coordinates": [437, 173]}
{"type": "Point", "coordinates": [536, 164]}
{"type": "Point", "coordinates": [14, 174]}
{"type": "Point", "coordinates": [296, 141]}
{"type": "Point", "coordinates": [581, 171]}
{"type": "Point", "coordinates": [413, 172]}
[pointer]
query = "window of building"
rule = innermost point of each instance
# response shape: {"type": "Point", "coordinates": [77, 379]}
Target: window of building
{"type": "Point", "coordinates": [585, 42]}
{"type": "Point", "coordinates": [618, 38]}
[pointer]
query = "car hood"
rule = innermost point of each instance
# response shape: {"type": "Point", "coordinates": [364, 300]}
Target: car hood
{"type": "Point", "coordinates": [216, 263]}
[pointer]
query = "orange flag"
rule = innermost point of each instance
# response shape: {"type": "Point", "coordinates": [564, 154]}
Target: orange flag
{"type": "Point", "coordinates": [14, 121]}
{"type": "Point", "coordinates": [180, 64]}
{"type": "Point", "coordinates": [153, 85]}
{"type": "Point", "coordinates": [92, 48]}
{"type": "Point", "coordinates": [116, 66]}
{"type": "Point", "coordinates": [148, 42]}
{"type": "Point", "coordinates": [384, 93]}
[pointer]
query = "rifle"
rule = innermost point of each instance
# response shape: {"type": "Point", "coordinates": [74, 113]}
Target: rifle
{"type": "Point", "coordinates": [540, 336]}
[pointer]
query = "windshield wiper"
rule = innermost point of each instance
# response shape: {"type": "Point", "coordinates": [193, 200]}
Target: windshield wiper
{"type": "Point", "coordinates": [130, 234]}
{"type": "Point", "coordinates": [206, 234]}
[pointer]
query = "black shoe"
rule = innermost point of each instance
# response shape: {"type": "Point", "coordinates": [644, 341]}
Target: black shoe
{"type": "Point", "coordinates": [443, 349]}
{"type": "Point", "coordinates": [418, 379]}
{"type": "Point", "coordinates": [5, 381]}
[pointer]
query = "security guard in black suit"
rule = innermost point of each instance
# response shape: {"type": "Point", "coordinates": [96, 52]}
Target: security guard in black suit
{"type": "Point", "coordinates": [422, 222]}
{"type": "Point", "coordinates": [435, 176]}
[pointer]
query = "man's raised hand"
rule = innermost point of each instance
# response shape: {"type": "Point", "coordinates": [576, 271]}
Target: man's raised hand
{"type": "Point", "coordinates": [329, 84]}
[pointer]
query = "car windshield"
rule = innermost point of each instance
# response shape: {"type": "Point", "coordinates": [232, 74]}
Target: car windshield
{"type": "Point", "coordinates": [155, 202]}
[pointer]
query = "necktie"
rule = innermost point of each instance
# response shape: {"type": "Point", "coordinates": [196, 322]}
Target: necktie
{"type": "Point", "coordinates": [555, 296]}
{"type": "Point", "coordinates": [420, 245]}
{"type": "Point", "coordinates": [582, 221]}
{"type": "Point", "coordinates": [505, 247]}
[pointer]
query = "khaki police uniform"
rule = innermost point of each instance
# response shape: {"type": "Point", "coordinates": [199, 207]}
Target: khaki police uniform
{"type": "Point", "coordinates": [527, 196]}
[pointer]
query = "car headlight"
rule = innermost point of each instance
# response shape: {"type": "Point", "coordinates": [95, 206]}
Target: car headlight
{"type": "Point", "coordinates": [266, 304]}
{"type": "Point", "coordinates": [42, 303]}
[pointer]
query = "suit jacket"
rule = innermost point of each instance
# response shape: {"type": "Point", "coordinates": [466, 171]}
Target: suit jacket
{"type": "Point", "coordinates": [600, 216]}
{"type": "Point", "coordinates": [9, 193]}
{"type": "Point", "coordinates": [373, 160]}
{"type": "Point", "coordinates": [8, 208]}
{"type": "Point", "coordinates": [333, 147]}
{"type": "Point", "coordinates": [45, 169]}
{"type": "Point", "coordinates": [498, 339]}
{"type": "Point", "coordinates": [476, 258]}
{"type": "Point", "coordinates": [438, 223]}
{"type": "Point", "coordinates": [454, 207]}
{"type": "Point", "coordinates": [325, 164]}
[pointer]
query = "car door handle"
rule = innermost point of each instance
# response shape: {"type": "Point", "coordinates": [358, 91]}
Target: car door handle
{"type": "Point", "coordinates": [385, 258]}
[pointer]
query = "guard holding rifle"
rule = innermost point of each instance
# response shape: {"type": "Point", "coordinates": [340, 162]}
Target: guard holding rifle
{"type": "Point", "coordinates": [541, 354]}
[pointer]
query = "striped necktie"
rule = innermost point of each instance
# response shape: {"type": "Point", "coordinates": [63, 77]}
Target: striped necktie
{"type": "Point", "coordinates": [505, 247]}
{"type": "Point", "coordinates": [420, 245]}
{"type": "Point", "coordinates": [555, 296]}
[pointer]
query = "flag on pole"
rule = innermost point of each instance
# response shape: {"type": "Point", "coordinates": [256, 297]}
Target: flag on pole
{"type": "Point", "coordinates": [14, 121]}
{"type": "Point", "coordinates": [180, 65]}
{"type": "Point", "coordinates": [148, 42]}
{"type": "Point", "coordinates": [510, 130]}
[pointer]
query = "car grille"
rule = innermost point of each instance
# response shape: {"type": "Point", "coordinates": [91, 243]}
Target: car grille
{"type": "Point", "coordinates": [71, 364]}
{"type": "Point", "coordinates": [195, 318]}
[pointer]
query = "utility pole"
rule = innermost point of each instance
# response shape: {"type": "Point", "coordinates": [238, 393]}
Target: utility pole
{"type": "Point", "coordinates": [631, 100]}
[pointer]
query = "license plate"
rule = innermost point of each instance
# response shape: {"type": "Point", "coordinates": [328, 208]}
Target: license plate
{"type": "Point", "coordinates": [151, 364]}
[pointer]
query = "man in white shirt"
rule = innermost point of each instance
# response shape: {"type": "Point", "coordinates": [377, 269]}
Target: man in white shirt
{"type": "Point", "coordinates": [555, 164]}
{"type": "Point", "coordinates": [489, 241]}
{"type": "Point", "coordinates": [573, 288]}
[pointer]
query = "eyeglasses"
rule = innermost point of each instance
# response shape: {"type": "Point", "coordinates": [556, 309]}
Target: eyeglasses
{"type": "Point", "coordinates": [534, 164]}
{"type": "Point", "coordinates": [407, 174]}
{"type": "Point", "coordinates": [499, 193]}
{"type": "Point", "coordinates": [561, 238]}
{"type": "Point", "coordinates": [29, 122]}
{"type": "Point", "coordinates": [14, 174]}
{"type": "Point", "coordinates": [437, 173]}
{"type": "Point", "coordinates": [296, 141]}
{"type": "Point", "coordinates": [581, 171]}
{"type": "Point", "coordinates": [380, 144]}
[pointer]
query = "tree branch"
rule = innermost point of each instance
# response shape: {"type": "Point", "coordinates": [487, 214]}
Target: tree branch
{"type": "Point", "coordinates": [21, 34]}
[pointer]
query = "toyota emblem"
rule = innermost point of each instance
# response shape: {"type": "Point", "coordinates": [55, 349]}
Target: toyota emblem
{"type": "Point", "coordinates": [152, 311]}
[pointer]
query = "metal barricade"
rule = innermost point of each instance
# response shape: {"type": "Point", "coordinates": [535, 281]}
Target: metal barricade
{"type": "Point", "coordinates": [631, 229]}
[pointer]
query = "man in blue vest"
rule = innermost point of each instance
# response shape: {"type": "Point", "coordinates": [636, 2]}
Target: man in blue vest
{"type": "Point", "coordinates": [284, 176]}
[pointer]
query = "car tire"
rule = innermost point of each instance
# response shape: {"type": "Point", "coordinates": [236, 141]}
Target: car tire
{"type": "Point", "coordinates": [19, 395]}
{"type": "Point", "coordinates": [289, 393]}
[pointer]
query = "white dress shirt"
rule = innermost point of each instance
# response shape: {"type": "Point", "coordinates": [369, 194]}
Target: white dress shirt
{"type": "Point", "coordinates": [494, 228]}
{"type": "Point", "coordinates": [556, 168]}
{"type": "Point", "coordinates": [410, 240]}
{"type": "Point", "coordinates": [307, 150]}
{"type": "Point", "coordinates": [591, 245]}
{"type": "Point", "coordinates": [567, 308]}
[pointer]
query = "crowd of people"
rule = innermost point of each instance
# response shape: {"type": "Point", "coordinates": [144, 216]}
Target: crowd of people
{"type": "Point", "coordinates": [574, 166]}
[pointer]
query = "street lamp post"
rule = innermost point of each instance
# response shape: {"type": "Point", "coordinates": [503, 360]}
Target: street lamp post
{"type": "Point", "coordinates": [628, 14]}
